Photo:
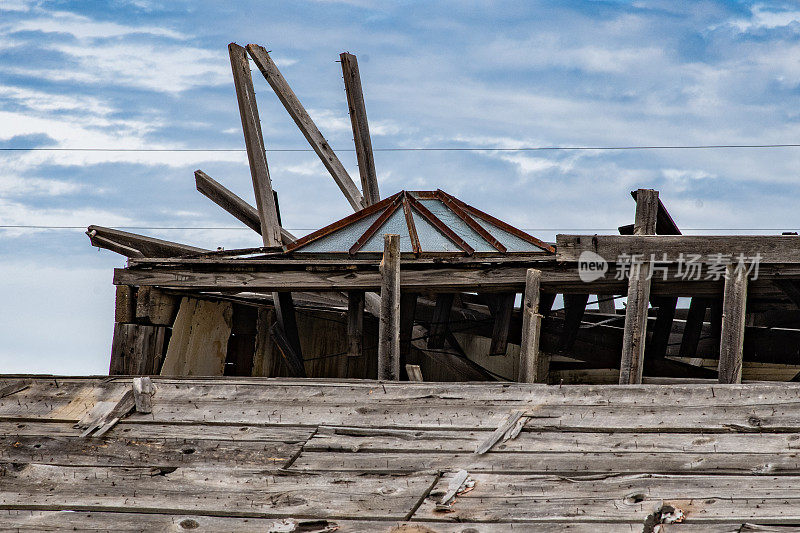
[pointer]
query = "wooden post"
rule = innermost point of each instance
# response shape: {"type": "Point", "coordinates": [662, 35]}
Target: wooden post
{"type": "Point", "coordinates": [389, 326]}
{"type": "Point", "coordinates": [408, 308]}
{"type": "Point", "coordinates": [501, 307]}
{"type": "Point", "coordinates": [659, 340]}
{"type": "Point", "coordinates": [306, 125]}
{"type": "Point", "coordinates": [606, 304]}
{"type": "Point", "coordinates": [533, 365]}
{"type": "Point", "coordinates": [414, 373]}
{"type": "Point", "coordinates": [254, 142]}
{"type": "Point", "coordinates": [633, 337]}
{"type": "Point", "coordinates": [355, 331]}
{"type": "Point", "coordinates": [733, 322]}
{"type": "Point", "coordinates": [574, 308]}
{"type": "Point", "coordinates": [358, 119]}
{"type": "Point", "coordinates": [694, 326]}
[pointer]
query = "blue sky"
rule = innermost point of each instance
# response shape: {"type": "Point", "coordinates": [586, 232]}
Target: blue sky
{"type": "Point", "coordinates": [143, 74]}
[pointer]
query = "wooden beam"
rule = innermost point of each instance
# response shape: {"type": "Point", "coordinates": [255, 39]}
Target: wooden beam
{"type": "Point", "coordinates": [355, 331]}
{"type": "Point", "coordinates": [100, 236]}
{"type": "Point", "coordinates": [414, 373]}
{"type": "Point", "coordinates": [791, 288]}
{"type": "Point", "coordinates": [254, 142]}
{"type": "Point", "coordinates": [233, 204]}
{"type": "Point", "coordinates": [137, 349]}
{"type": "Point", "coordinates": [665, 225]}
{"type": "Point", "coordinates": [501, 306]}
{"type": "Point", "coordinates": [606, 304]}
{"type": "Point", "coordinates": [125, 304]}
{"type": "Point", "coordinates": [633, 339]}
{"type": "Point", "coordinates": [408, 310]}
{"type": "Point", "coordinates": [389, 320]}
{"type": "Point", "coordinates": [108, 244]}
{"type": "Point", "coordinates": [199, 342]}
{"type": "Point", "coordinates": [694, 326]}
{"type": "Point", "coordinates": [361, 137]}
{"type": "Point", "coordinates": [574, 308]}
{"type": "Point", "coordinates": [533, 364]}
{"type": "Point", "coordinates": [441, 320]}
{"type": "Point", "coordinates": [770, 248]}
{"type": "Point", "coordinates": [733, 322]}
{"type": "Point", "coordinates": [286, 323]}
{"type": "Point", "coordinates": [154, 306]}
{"type": "Point", "coordinates": [306, 125]}
{"type": "Point", "coordinates": [659, 339]}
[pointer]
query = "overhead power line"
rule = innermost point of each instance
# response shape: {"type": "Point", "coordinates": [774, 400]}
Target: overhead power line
{"type": "Point", "coordinates": [33, 226]}
{"type": "Point", "coordinates": [418, 149]}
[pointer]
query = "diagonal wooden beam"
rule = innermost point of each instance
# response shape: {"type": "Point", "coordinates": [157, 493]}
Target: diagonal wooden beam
{"type": "Point", "coordinates": [126, 243]}
{"type": "Point", "coordinates": [665, 225]}
{"type": "Point", "coordinates": [306, 125]}
{"type": "Point", "coordinates": [574, 308]}
{"type": "Point", "coordinates": [501, 306]}
{"type": "Point", "coordinates": [233, 204]}
{"type": "Point", "coordinates": [441, 320]}
{"type": "Point", "coordinates": [254, 142]}
{"type": "Point", "coordinates": [659, 339]}
{"type": "Point", "coordinates": [694, 326]}
{"type": "Point", "coordinates": [361, 137]}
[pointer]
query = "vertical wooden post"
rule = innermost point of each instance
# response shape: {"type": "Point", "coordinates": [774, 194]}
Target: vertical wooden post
{"type": "Point", "coordinates": [606, 304]}
{"type": "Point", "coordinates": [501, 306]}
{"type": "Point", "coordinates": [358, 119]}
{"type": "Point", "coordinates": [659, 340]}
{"type": "Point", "coordinates": [574, 308]}
{"type": "Point", "coordinates": [254, 142]}
{"type": "Point", "coordinates": [533, 365]}
{"type": "Point", "coordinates": [408, 308]}
{"type": "Point", "coordinates": [355, 331]}
{"type": "Point", "coordinates": [694, 326]}
{"type": "Point", "coordinates": [734, 303]}
{"type": "Point", "coordinates": [635, 332]}
{"type": "Point", "coordinates": [440, 321]}
{"type": "Point", "coordinates": [389, 326]}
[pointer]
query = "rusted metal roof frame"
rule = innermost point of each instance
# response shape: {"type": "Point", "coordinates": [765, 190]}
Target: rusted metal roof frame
{"type": "Point", "coordinates": [380, 221]}
{"type": "Point", "coordinates": [447, 200]}
{"type": "Point", "coordinates": [439, 225]}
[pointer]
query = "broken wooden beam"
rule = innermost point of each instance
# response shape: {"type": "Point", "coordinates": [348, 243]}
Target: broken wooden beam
{"type": "Point", "coordinates": [733, 324]}
{"type": "Point", "coordinates": [361, 137]}
{"type": "Point", "coordinates": [254, 143]}
{"type": "Point", "coordinates": [233, 204]}
{"type": "Point", "coordinates": [124, 242]}
{"type": "Point", "coordinates": [633, 339]}
{"type": "Point", "coordinates": [143, 390]}
{"type": "Point", "coordinates": [665, 225]}
{"type": "Point", "coordinates": [533, 364]}
{"type": "Point", "coordinates": [306, 125]}
{"type": "Point", "coordinates": [389, 320]}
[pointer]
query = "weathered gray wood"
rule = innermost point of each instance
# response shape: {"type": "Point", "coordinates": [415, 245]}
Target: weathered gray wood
{"type": "Point", "coordinates": [389, 320]}
{"type": "Point", "coordinates": [441, 320]}
{"type": "Point", "coordinates": [502, 308]}
{"type": "Point", "coordinates": [156, 307]}
{"type": "Point", "coordinates": [111, 245]}
{"type": "Point", "coordinates": [107, 418]}
{"type": "Point", "coordinates": [633, 339]}
{"type": "Point", "coordinates": [361, 137]}
{"type": "Point", "coordinates": [574, 308]}
{"type": "Point", "coordinates": [147, 246]}
{"type": "Point", "coordinates": [254, 142]}
{"type": "Point", "coordinates": [606, 304]}
{"type": "Point", "coordinates": [125, 304]}
{"type": "Point", "coordinates": [137, 349]}
{"type": "Point", "coordinates": [771, 248]}
{"type": "Point", "coordinates": [533, 364]}
{"type": "Point", "coordinates": [355, 331]}
{"type": "Point", "coordinates": [286, 321]}
{"type": "Point", "coordinates": [659, 339]}
{"type": "Point", "coordinates": [694, 326]}
{"type": "Point", "coordinates": [408, 311]}
{"type": "Point", "coordinates": [507, 424]}
{"type": "Point", "coordinates": [233, 204]}
{"type": "Point", "coordinates": [143, 391]}
{"type": "Point", "coordinates": [306, 125]}
{"type": "Point", "coordinates": [211, 491]}
{"type": "Point", "coordinates": [414, 373]}
{"type": "Point", "coordinates": [733, 322]}
{"type": "Point", "coordinates": [199, 342]}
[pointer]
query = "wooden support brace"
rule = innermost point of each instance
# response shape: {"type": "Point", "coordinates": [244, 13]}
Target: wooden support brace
{"type": "Point", "coordinates": [125, 304]}
{"type": "Point", "coordinates": [659, 340]}
{"type": "Point", "coordinates": [408, 308]}
{"type": "Point", "coordinates": [574, 308]}
{"type": "Point", "coordinates": [633, 339]}
{"type": "Point", "coordinates": [361, 137]}
{"type": "Point", "coordinates": [124, 241]}
{"type": "Point", "coordinates": [733, 323]}
{"type": "Point", "coordinates": [694, 326]}
{"type": "Point", "coordinates": [254, 142]}
{"type": "Point", "coordinates": [355, 331]}
{"type": "Point", "coordinates": [389, 320]}
{"type": "Point", "coordinates": [306, 125]}
{"type": "Point", "coordinates": [233, 204]}
{"type": "Point", "coordinates": [286, 321]}
{"type": "Point", "coordinates": [606, 304]}
{"type": "Point", "coordinates": [502, 306]}
{"type": "Point", "coordinates": [533, 364]}
{"type": "Point", "coordinates": [441, 320]}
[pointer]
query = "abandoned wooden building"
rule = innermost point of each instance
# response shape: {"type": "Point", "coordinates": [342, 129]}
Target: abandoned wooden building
{"type": "Point", "coordinates": [390, 371]}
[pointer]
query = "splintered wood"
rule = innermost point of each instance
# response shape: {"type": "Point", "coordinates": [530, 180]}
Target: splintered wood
{"type": "Point", "coordinates": [257, 454]}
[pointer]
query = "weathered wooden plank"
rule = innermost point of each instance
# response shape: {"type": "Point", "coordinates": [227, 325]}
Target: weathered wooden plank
{"type": "Point", "coordinates": [156, 307]}
{"type": "Point", "coordinates": [408, 311]}
{"type": "Point", "coordinates": [288, 334]}
{"type": "Point", "coordinates": [199, 342]}
{"type": "Point", "coordinates": [213, 491]}
{"type": "Point", "coordinates": [733, 322]}
{"type": "Point", "coordinates": [389, 320]}
{"type": "Point", "coordinates": [694, 326]}
{"type": "Point", "coordinates": [414, 373]}
{"type": "Point", "coordinates": [233, 204]}
{"type": "Point", "coordinates": [306, 125]}
{"type": "Point", "coordinates": [148, 246]}
{"type": "Point", "coordinates": [574, 308]}
{"type": "Point", "coordinates": [105, 521]}
{"type": "Point", "coordinates": [361, 137]}
{"type": "Point", "coordinates": [633, 338]}
{"type": "Point", "coordinates": [145, 451]}
{"type": "Point", "coordinates": [136, 349]}
{"type": "Point", "coordinates": [703, 499]}
{"type": "Point", "coordinates": [355, 331]}
{"type": "Point", "coordinates": [254, 143]}
{"type": "Point", "coordinates": [502, 309]}
{"type": "Point", "coordinates": [770, 248]}
{"type": "Point", "coordinates": [534, 365]}
{"type": "Point", "coordinates": [659, 340]}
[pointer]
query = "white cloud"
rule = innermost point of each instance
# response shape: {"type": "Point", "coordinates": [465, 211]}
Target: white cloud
{"type": "Point", "coordinates": [15, 5]}
{"type": "Point", "coordinates": [763, 17]}
{"type": "Point", "coordinates": [84, 28]}
{"type": "Point", "coordinates": [19, 214]}
{"type": "Point", "coordinates": [18, 186]}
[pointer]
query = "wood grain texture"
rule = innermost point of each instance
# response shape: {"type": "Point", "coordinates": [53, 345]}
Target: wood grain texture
{"type": "Point", "coordinates": [533, 365]}
{"type": "Point", "coordinates": [199, 342]}
{"type": "Point", "coordinates": [389, 319]}
{"type": "Point", "coordinates": [733, 324]}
